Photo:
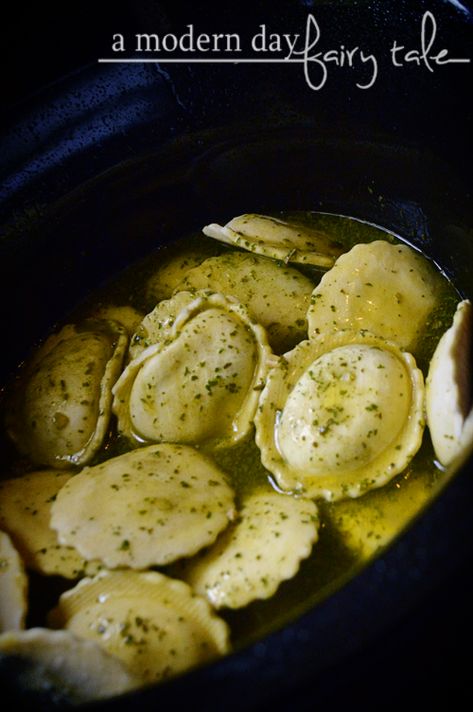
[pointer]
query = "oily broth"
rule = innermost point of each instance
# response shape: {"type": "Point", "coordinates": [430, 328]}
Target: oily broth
{"type": "Point", "coordinates": [352, 532]}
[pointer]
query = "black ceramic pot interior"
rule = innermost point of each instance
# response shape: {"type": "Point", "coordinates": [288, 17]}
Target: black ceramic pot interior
{"type": "Point", "coordinates": [88, 218]}
{"type": "Point", "coordinates": [92, 233]}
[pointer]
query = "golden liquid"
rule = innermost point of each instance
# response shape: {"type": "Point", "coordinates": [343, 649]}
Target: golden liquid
{"type": "Point", "coordinates": [352, 532]}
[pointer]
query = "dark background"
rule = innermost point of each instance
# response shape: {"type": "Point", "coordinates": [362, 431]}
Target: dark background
{"type": "Point", "coordinates": [41, 43]}
{"type": "Point", "coordinates": [44, 41]}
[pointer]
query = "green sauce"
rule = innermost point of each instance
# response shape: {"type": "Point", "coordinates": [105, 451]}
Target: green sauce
{"type": "Point", "coordinates": [353, 532]}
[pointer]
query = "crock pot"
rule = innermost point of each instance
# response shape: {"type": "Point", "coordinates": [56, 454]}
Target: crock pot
{"type": "Point", "coordinates": [106, 165]}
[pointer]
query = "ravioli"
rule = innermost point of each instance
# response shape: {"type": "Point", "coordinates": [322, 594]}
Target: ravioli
{"type": "Point", "coordinates": [168, 275]}
{"type": "Point", "coordinates": [277, 296]}
{"type": "Point", "coordinates": [157, 326]}
{"type": "Point", "coordinates": [156, 625]}
{"type": "Point", "coordinates": [25, 513]}
{"type": "Point", "coordinates": [60, 409]}
{"type": "Point", "coordinates": [147, 507]}
{"type": "Point", "coordinates": [201, 384]}
{"type": "Point", "coordinates": [279, 239]}
{"type": "Point", "coordinates": [75, 669]}
{"type": "Point", "coordinates": [340, 415]}
{"type": "Point", "coordinates": [387, 289]}
{"type": "Point", "coordinates": [196, 389]}
{"type": "Point", "coordinates": [449, 388]}
{"type": "Point", "coordinates": [274, 532]}
{"type": "Point", "coordinates": [13, 587]}
{"type": "Point", "coordinates": [127, 316]}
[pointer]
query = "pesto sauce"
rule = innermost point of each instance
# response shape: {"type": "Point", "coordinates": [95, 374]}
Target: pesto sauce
{"type": "Point", "coordinates": [335, 558]}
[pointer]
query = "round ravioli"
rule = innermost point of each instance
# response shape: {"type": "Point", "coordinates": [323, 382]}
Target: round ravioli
{"type": "Point", "coordinates": [274, 532]}
{"type": "Point", "coordinates": [449, 386]}
{"type": "Point", "coordinates": [340, 415]}
{"type": "Point", "coordinates": [171, 270]}
{"type": "Point", "coordinates": [144, 508]}
{"type": "Point", "coordinates": [13, 587]}
{"type": "Point", "coordinates": [157, 326]}
{"type": "Point", "coordinates": [60, 410]}
{"type": "Point", "coordinates": [201, 385]}
{"type": "Point", "coordinates": [279, 239]}
{"type": "Point", "coordinates": [73, 668]}
{"type": "Point", "coordinates": [390, 290]}
{"type": "Point", "coordinates": [126, 315]}
{"type": "Point", "coordinates": [156, 625]}
{"type": "Point", "coordinates": [25, 513]}
{"type": "Point", "coordinates": [277, 296]}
